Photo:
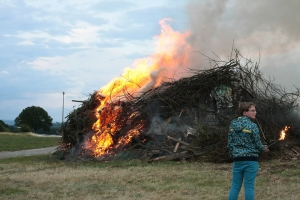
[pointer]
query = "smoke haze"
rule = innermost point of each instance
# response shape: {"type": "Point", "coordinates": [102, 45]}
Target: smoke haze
{"type": "Point", "coordinates": [267, 30]}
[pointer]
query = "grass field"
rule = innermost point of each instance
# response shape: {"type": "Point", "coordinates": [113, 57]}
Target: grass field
{"type": "Point", "coordinates": [23, 141]}
{"type": "Point", "coordinates": [44, 177]}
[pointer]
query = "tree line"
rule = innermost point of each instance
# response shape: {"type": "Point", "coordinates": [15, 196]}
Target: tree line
{"type": "Point", "coordinates": [31, 119]}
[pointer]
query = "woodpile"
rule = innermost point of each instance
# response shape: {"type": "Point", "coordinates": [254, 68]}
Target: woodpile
{"type": "Point", "coordinates": [186, 118]}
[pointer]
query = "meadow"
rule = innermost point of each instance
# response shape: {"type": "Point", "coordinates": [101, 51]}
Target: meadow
{"type": "Point", "coordinates": [46, 177]}
{"type": "Point", "coordinates": [22, 141]}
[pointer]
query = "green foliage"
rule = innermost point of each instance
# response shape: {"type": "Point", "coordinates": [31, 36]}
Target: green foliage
{"type": "Point", "coordinates": [35, 117]}
{"type": "Point", "coordinates": [24, 128]}
{"type": "Point", "coordinates": [55, 129]}
{"type": "Point", "coordinates": [3, 127]}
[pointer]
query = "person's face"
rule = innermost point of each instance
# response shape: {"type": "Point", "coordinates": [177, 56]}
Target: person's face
{"type": "Point", "coordinates": [251, 113]}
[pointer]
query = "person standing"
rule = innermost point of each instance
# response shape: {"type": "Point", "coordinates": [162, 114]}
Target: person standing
{"type": "Point", "coordinates": [244, 146]}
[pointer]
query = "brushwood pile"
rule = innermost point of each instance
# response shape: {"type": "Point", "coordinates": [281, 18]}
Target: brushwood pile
{"type": "Point", "coordinates": [188, 119]}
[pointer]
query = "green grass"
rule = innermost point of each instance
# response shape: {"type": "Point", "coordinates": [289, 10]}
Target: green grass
{"type": "Point", "coordinates": [15, 142]}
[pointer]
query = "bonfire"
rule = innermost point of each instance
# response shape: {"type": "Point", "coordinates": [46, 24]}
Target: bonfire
{"type": "Point", "coordinates": [143, 115]}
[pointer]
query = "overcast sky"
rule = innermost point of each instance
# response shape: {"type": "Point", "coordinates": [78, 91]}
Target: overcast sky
{"type": "Point", "coordinates": [73, 46]}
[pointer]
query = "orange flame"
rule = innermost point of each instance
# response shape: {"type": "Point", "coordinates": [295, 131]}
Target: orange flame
{"type": "Point", "coordinates": [170, 57]}
{"type": "Point", "coordinates": [171, 54]}
{"type": "Point", "coordinates": [282, 133]}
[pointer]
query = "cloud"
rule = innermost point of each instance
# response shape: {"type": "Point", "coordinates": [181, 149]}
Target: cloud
{"type": "Point", "coordinates": [4, 72]}
{"type": "Point", "coordinates": [80, 33]}
{"type": "Point", "coordinates": [15, 14]}
{"type": "Point", "coordinates": [131, 24]}
{"type": "Point", "coordinates": [86, 71]}
{"type": "Point", "coordinates": [112, 6]}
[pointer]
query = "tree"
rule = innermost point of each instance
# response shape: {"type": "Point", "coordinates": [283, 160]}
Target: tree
{"type": "Point", "coordinates": [35, 117]}
{"type": "Point", "coordinates": [3, 127]}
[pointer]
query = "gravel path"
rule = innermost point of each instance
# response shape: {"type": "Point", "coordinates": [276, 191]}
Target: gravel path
{"type": "Point", "coordinates": [30, 152]}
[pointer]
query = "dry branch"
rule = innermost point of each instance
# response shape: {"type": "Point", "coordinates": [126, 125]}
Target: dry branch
{"type": "Point", "coordinates": [183, 154]}
{"type": "Point", "coordinates": [178, 140]}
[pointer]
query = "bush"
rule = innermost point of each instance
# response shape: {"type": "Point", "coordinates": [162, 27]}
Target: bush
{"type": "Point", "coordinates": [3, 128]}
{"type": "Point", "coordinates": [24, 128]}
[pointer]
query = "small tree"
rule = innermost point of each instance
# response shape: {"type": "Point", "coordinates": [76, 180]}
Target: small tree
{"type": "Point", "coordinates": [35, 117]}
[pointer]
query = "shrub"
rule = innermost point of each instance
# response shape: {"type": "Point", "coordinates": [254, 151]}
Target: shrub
{"type": "Point", "coordinates": [3, 128]}
{"type": "Point", "coordinates": [25, 128]}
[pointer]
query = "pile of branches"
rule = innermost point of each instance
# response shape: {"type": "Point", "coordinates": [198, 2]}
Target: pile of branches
{"type": "Point", "coordinates": [189, 118]}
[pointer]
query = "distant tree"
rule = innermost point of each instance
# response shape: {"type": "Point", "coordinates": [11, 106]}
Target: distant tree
{"type": "Point", "coordinates": [3, 127]}
{"type": "Point", "coordinates": [35, 117]}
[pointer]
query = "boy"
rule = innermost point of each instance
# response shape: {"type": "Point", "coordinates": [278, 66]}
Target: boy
{"type": "Point", "coordinates": [244, 147]}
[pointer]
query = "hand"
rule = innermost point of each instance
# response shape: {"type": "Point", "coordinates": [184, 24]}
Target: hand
{"type": "Point", "coordinates": [267, 148]}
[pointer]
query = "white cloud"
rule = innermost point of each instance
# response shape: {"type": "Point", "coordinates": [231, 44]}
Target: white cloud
{"type": "Point", "coordinates": [26, 42]}
{"type": "Point", "coordinates": [81, 32]}
{"type": "Point", "coordinates": [84, 71]}
{"type": "Point", "coordinates": [4, 72]}
{"type": "Point", "coordinates": [57, 5]}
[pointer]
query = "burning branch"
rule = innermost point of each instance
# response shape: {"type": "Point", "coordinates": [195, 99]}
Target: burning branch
{"type": "Point", "coordinates": [282, 135]}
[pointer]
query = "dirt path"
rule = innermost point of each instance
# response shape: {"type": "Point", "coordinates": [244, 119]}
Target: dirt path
{"type": "Point", "coordinates": [30, 152]}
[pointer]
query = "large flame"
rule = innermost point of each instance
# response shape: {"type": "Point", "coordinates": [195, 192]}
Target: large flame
{"type": "Point", "coordinates": [171, 56]}
{"type": "Point", "coordinates": [283, 133]}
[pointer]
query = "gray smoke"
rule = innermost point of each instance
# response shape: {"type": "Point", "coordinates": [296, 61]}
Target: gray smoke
{"type": "Point", "coordinates": [267, 31]}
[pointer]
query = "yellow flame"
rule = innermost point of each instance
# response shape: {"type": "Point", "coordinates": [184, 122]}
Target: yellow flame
{"type": "Point", "coordinates": [282, 133]}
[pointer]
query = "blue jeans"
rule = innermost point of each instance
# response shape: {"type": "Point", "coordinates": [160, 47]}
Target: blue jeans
{"type": "Point", "coordinates": [243, 171]}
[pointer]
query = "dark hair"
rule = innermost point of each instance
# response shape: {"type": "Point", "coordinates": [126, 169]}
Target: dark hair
{"type": "Point", "coordinates": [244, 106]}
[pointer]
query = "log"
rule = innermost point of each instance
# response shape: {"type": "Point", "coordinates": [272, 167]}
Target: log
{"type": "Point", "coordinates": [173, 156]}
{"type": "Point", "coordinates": [179, 141]}
{"type": "Point", "coordinates": [296, 150]}
{"type": "Point", "coordinates": [177, 145]}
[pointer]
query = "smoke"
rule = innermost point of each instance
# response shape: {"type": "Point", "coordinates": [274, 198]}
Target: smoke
{"type": "Point", "coordinates": [174, 125]}
{"type": "Point", "coordinates": [154, 78]}
{"type": "Point", "coordinates": [266, 31]}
